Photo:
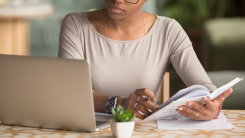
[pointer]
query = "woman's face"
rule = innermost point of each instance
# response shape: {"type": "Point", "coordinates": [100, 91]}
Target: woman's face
{"type": "Point", "coordinates": [119, 9]}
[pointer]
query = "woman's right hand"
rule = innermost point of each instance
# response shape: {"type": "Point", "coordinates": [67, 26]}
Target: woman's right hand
{"type": "Point", "coordinates": [144, 107]}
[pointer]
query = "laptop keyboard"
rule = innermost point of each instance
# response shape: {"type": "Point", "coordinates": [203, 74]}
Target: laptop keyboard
{"type": "Point", "coordinates": [101, 122]}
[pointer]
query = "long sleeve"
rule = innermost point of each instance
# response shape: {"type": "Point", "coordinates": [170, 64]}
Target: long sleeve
{"type": "Point", "coordinates": [184, 58]}
{"type": "Point", "coordinates": [70, 45]}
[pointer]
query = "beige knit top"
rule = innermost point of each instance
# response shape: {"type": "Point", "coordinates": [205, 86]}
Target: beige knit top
{"type": "Point", "coordinates": [121, 67]}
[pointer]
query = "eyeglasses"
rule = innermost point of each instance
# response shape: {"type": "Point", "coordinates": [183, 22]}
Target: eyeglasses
{"type": "Point", "coordinates": [132, 1]}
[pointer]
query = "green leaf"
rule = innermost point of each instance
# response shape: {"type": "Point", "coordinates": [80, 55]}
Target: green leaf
{"type": "Point", "coordinates": [128, 112]}
{"type": "Point", "coordinates": [114, 114]}
{"type": "Point", "coordinates": [119, 108]}
{"type": "Point", "coordinates": [113, 111]}
{"type": "Point", "coordinates": [131, 118]}
{"type": "Point", "coordinates": [121, 118]}
{"type": "Point", "coordinates": [121, 112]}
{"type": "Point", "coordinates": [121, 115]}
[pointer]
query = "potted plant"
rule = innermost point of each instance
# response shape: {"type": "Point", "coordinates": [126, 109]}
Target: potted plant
{"type": "Point", "coordinates": [122, 125]}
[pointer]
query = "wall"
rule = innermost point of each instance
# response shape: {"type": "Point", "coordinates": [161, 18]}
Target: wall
{"type": "Point", "coordinates": [150, 7]}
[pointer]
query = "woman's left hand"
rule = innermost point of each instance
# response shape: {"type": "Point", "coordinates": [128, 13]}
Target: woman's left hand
{"type": "Point", "coordinates": [199, 112]}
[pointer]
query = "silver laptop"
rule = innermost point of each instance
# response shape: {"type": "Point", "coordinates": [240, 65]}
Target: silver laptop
{"type": "Point", "coordinates": [47, 93]}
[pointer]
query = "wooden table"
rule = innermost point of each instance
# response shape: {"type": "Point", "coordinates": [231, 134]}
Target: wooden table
{"type": "Point", "coordinates": [14, 26]}
{"type": "Point", "coordinates": [237, 117]}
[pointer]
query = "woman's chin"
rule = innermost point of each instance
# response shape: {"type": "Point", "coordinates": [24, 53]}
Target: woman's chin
{"type": "Point", "coordinates": [116, 16]}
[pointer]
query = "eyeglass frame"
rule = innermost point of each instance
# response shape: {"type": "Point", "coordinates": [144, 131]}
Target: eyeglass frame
{"type": "Point", "coordinates": [131, 2]}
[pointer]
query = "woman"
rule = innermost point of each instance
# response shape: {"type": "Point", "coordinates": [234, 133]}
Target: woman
{"type": "Point", "coordinates": [129, 51]}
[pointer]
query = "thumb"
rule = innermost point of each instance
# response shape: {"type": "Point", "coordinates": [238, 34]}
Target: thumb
{"type": "Point", "coordinates": [220, 99]}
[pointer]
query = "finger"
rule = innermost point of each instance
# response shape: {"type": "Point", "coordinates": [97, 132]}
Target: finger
{"type": "Point", "coordinates": [138, 115]}
{"type": "Point", "coordinates": [197, 107]}
{"type": "Point", "coordinates": [190, 113]}
{"type": "Point", "coordinates": [145, 91]}
{"type": "Point", "coordinates": [132, 104]}
{"type": "Point", "coordinates": [223, 95]}
{"type": "Point", "coordinates": [141, 109]}
{"type": "Point", "coordinates": [150, 106]}
{"type": "Point", "coordinates": [190, 116]}
{"type": "Point", "coordinates": [147, 104]}
{"type": "Point", "coordinates": [209, 104]}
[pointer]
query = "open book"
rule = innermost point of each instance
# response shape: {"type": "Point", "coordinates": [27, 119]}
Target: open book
{"type": "Point", "coordinates": [193, 93]}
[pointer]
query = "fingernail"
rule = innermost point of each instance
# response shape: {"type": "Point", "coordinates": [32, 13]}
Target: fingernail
{"type": "Point", "coordinates": [176, 111]}
{"type": "Point", "coordinates": [180, 108]}
{"type": "Point", "coordinates": [189, 104]}
{"type": "Point", "coordinates": [205, 99]}
{"type": "Point", "coordinates": [203, 102]}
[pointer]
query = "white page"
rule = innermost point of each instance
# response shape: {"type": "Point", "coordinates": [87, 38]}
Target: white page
{"type": "Point", "coordinates": [182, 93]}
{"type": "Point", "coordinates": [196, 93]}
{"type": "Point", "coordinates": [186, 123]}
{"type": "Point", "coordinates": [169, 110]}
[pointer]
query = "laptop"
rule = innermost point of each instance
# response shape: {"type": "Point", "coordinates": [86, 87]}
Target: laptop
{"type": "Point", "coordinates": [48, 92]}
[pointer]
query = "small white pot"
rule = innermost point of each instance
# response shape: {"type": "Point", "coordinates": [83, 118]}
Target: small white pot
{"type": "Point", "coordinates": [122, 129]}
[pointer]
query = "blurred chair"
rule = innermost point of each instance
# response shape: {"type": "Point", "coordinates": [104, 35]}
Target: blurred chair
{"type": "Point", "coordinates": [164, 90]}
{"type": "Point", "coordinates": [224, 44]}
{"type": "Point", "coordinates": [224, 54]}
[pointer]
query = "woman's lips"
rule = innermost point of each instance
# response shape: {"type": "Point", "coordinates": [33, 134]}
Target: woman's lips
{"type": "Point", "coordinates": [114, 10]}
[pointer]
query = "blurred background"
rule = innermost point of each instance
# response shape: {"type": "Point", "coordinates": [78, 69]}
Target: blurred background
{"type": "Point", "coordinates": [215, 27]}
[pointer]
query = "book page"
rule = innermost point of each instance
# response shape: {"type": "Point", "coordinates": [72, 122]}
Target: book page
{"type": "Point", "coordinates": [182, 93]}
{"type": "Point", "coordinates": [196, 93]}
{"type": "Point", "coordinates": [169, 110]}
